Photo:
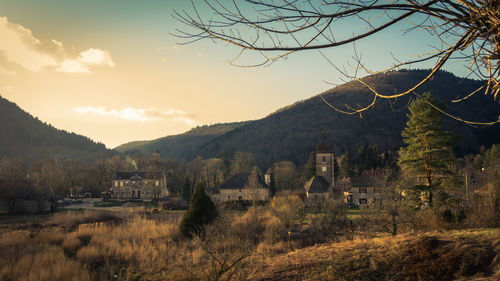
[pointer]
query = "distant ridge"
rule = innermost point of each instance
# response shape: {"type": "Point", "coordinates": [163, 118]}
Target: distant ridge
{"type": "Point", "coordinates": [25, 137]}
{"type": "Point", "coordinates": [292, 132]}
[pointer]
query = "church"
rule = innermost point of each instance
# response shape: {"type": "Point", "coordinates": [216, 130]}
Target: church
{"type": "Point", "coordinates": [322, 185]}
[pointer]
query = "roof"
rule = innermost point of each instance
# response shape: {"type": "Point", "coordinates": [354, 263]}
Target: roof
{"type": "Point", "coordinates": [240, 181]}
{"type": "Point", "coordinates": [364, 180]}
{"type": "Point", "coordinates": [317, 184]}
{"type": "Point", "coordinates": [324, 147]}
{"type": "Point", "coordinates": [129, 175]}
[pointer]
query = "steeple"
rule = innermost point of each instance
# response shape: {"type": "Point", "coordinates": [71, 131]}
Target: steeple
{"type": "Point", "coordinates": [325, 161]}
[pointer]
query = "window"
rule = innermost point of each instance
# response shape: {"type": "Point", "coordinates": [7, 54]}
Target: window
{"type": "Point", "coordinates": [116, 183]}
{"type": "Point", "coordinates": [240, 197]}
{"type": "Point", "coordinates": [229, 197]}
{"type": "Point", "coordinates": [121, 183]}
{"type": "Point", "coordinates": [323, 158]}
{"type": "Point", "coordinates": [239, 189]}
{"type": "Point", "coordinates": [362, 201]}
{"type": "Point", "coordinates": [157, 183]}
{"type": "Point", "coordinates": [362, 190]}
{"type": "Point", "coordinates": [323, 169]}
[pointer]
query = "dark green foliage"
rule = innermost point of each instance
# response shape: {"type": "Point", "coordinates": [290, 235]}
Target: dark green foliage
{"type": "Point", "coordinates": [491, 156]}
{"type": "Point", "coordinates": [186, 190]}
{"type": "Point", "coordinates": [368, 158]}
{"type": "Point", "coordinates": [272, 186]}
{"type": "Point", "coordinates": [27, 138]}
{"type": "Point", "coordinates": [293, 132]}
{"type": "Point", "coordinates": [310, 167]}
{"type": "Point", "coordinates": [429, 152]}
{"type": "Point", "coordinates": [347, 168]}
{"type": "Point", "coordinates": [201, 212]}
{"type": "Point", "coordinates": [336, 169]}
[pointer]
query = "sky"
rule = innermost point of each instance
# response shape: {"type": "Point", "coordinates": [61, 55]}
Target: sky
{"type": "Point", "coordinates": [112, 70]}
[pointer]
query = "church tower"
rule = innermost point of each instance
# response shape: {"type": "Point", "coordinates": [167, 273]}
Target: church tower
{"type": "Point", "coordinates": [325, 161]}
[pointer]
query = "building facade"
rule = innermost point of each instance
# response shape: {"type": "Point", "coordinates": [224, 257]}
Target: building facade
{"type": "Point", "coordinates": [361, 190]}
{"type": "Point", "coordinates": [244, 187]}
{"type": "Point", "coordinates": [138, 185]}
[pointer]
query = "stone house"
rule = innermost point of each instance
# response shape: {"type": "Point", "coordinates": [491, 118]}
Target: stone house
{"type": "Point", "coordinates": [244, 187]}
{"type": "Point", "coordinates": [139, 185]}
{"type": "Point", "coordinates": [361, 190]}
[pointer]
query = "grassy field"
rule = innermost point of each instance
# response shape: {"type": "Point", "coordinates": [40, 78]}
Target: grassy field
{"type": "Point", "coordinates": [137, 244]}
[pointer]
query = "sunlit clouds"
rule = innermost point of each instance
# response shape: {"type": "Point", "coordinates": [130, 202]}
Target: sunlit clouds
{"type": "Point", "coordinates": [139, 114]}
{"type": "Point", "coordinates": [20, 47]}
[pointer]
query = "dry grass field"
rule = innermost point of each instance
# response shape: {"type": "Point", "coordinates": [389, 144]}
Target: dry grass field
{"type": "Point", "coordinates": [137, 245]}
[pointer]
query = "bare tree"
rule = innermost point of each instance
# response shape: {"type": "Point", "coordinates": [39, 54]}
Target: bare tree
{"type": "Point", "coordinates": [468, 31]}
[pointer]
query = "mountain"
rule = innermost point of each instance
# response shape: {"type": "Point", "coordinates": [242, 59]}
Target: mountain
{"type": "Point", "coordinates": [27, 138]}
{"type": "Point", "coordinates": [292, 133]}
{"type": "Point", "coordinates": [183, 146]}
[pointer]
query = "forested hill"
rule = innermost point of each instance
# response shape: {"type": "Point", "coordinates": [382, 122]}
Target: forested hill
{"type": "Point", "coordinates": [27, 138]}
{"type": "Point", "coordinates": [182, 146]}
{"type": "Point", "coordinates": [291, 133]}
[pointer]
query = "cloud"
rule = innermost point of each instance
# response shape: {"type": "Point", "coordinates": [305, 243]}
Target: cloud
{"type": "Point", "coordinates": [21, 47]}
{"type": "Point", "coordinates": [139, 114]}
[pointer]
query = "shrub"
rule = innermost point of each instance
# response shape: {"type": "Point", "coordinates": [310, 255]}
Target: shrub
{"type": "Point", "coordinates": [201, 212]}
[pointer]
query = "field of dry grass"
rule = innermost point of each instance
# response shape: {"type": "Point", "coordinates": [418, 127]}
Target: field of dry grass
{"type": "Point", "coordinates": [453, 255]}
{"type": "Point", "coordinates": [137, 245]}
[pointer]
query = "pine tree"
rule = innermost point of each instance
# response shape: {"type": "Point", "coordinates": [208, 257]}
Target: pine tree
{"type": "Point", "coordinates": [347, 166]}
{"type": "Point", "coordinates": [310, 167]}
{"type": "Point", "coordinates": [201, 212]}
{"type": "Point", "coordinates": [186, 190]}
{"type": "Point", "coordinates": [429, 149]}
{"type": "Point", "coordinates": [272, 186]}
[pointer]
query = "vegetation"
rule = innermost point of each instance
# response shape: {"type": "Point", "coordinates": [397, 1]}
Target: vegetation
{"type": "Point", "coordinates": [274, 31]}
{"type": "Point", "coordinates": [429, 150]}
{"type": "Point", "coordinates": [291, 134]}
{"type": "Point", "coordinates": [201, 212]}
{"type": "Point", "coordinates": [251, 246]}
{"type": "Point", "coordinates": [28, 139]}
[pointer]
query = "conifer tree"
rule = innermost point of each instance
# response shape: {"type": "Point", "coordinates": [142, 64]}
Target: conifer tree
{"type": "Point", "coordinates": [310, 168]}
{"type": "Point", "coordinates": [201, 212]}
{"type": "Point", "coordinates": [272, 186]}
{"type": "Point", "coordinates": [429, 152]}
{"type": "Point", "coordinates": [347, 166]}
{"type": "Point", "coordinates": [186, 190]}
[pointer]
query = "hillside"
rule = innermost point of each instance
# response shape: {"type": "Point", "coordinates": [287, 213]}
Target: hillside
{"type": "Point", "coordinates": [183, 146]}
{"type": "Point", "coordinates": [27, 138]}
{"type": "Point", "coordinates": [292, 132]}
{"type": "Point", "coordinates": [446, 255]}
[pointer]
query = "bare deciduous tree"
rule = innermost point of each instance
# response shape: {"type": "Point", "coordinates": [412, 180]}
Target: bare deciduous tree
{"type": "Point", "coordinates": [467, 31]}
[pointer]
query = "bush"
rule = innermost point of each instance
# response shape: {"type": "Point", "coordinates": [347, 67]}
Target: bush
{"type": "Point", "coordinates": [201, 212]}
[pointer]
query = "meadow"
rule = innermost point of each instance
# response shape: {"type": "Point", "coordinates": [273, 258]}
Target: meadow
{"type": "Point", "coordinates": [137, 244]}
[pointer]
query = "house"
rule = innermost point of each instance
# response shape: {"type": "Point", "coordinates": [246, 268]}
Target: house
{"type": "Point", "coordinates": [321, 186]}
{"type": "Point", "coordinates": [140, 185]}
{"type": "Point", "coordinates": [244, 187]}
{"type": "Point", "coordinates": [361, 190]}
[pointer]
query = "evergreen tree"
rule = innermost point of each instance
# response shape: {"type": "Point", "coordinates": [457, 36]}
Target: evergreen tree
{"type": "Point", "coordinates": [186, 190]}
{"type": "Point", "coordinates": [310, 167]}
{"type": "Point", "coordinates": [201, 212]}
{"type": "Point", "coordinates": [347, 166]}
{"type": "Point", "coordinates": [336, 169]}
{"type": "Point", "coordinates": [272, 186]}
{"type": "Point", "coordinates": [429, 149]}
